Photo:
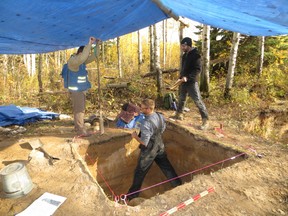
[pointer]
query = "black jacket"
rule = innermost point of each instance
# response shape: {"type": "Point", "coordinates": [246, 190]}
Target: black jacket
{"type": "Point", "coordinates": [191, 65]}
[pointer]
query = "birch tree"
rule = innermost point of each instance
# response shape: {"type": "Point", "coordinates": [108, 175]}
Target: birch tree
{"type": "Point", "coordinates": [157, 61]}
{"type": "Point", "coordinates": [40, 83]}
{"type": "Point", "coordinates": [232, 64]}
{"type": "Point", "coordinates": [151, 40]}
{"type": "Point", "coordinates": [204, 83]}
{"type": "Point", "coordinates": [5, 71]}
{"type": "Point", "coordinates": [119, 57]}
{"type": "Point", "coordinates": [47, 61]}
{"type": "Point", "coordinates": [164, 33]}
{"type": "Point", "coordinates": [261, 55]}
{"type": "Point", "coordinates": [181, 27]}
{"type": "Point", "coordinates": [140, 56]}
{"type": "Point", "coordinates": [53, 72]}
{"type": "Point", "coordinates": [57, 59]}
{"type": "Point", "coordinates": [29, 61]}
{"type": "Point", "coordinates": [33, 64]}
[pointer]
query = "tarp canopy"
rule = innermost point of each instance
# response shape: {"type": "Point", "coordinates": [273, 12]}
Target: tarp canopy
{"type": "Point", "coordinates": [39, 26]}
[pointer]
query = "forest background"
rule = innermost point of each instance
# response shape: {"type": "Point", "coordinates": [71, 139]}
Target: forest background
{"type": "Point", "coordinates": [248, 84]}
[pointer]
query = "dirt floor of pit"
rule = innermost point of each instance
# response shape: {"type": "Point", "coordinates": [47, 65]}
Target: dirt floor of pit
{"type": "Point", "coordinates": [255, 186]}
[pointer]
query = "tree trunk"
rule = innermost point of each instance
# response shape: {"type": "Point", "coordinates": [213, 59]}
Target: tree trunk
{"type": "Point", "coordinates": [53, 71]}
{"type": "Point", "coordinates": [181, 27]}
{"type": "Point", "coordinates": [56, 64]}
{"type": "Point", "coordinates": [27, 62]}
{"type": "Point", "coordinates": [19, 78]}
{"type": "Point", "coordinates": [40, 83]}
{"type": "Point", "coordinates": [58, 60]}
{"type": "Point", "coordinates": [153, 73]}
{"type": "Point", "coordinates": [157, 62]}
{"type": "Point", "coordinates": [103, 52]}
{"type": "Point", "coordinates": [119, 57]}
{"type": "Point", "coordinates": [152, 64]}
{"type": "Point", "coordinates": [140, 58]}
{"type": "Point", "coordinates": [164, 28]}
{"type": "Point", "coordinates": [64, 58]}
{"type": "Point", "coordinates": [47, 61]}
{"type": "Point", "coordinates": [5, 72]}
{"type": "Point", "coordinates": [204, 83]}
{"type": "Point", "coordinates": [33, 64]}
{"type": "Point", "coordinates": [232, 65]}
{"type": "Point", "coordinates": [261, 55]}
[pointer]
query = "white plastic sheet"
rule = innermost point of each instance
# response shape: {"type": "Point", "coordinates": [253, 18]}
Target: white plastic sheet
{"type": "Point", "coordinates": [45, 205]}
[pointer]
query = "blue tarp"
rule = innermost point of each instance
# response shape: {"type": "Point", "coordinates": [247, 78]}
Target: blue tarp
{"type": "Point", "coordinates": [39, 26]}
{"type": "Point", "coordinates": [15, 115]}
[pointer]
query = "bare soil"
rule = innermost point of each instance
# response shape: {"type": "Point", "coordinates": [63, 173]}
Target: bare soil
{"type": "Point", "coordinates": [256, 185]}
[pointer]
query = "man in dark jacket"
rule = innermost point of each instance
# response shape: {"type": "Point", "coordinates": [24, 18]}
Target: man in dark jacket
{"type": "Point", "coordinates": [152, 149]}
{"type": "Point", "coordinates": [189, 75]}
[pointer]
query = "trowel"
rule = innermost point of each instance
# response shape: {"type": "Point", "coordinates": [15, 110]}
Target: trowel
{"type": "Point", "coordinates": [36, 144]}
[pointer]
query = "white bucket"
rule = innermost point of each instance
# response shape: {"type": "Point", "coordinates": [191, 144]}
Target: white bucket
{"type": "Point", "coordinates": [16, 181]}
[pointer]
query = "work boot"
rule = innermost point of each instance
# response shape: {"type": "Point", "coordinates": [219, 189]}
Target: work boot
{"type": "Point", "coordinates": [205, 124]}
{"type": "Point", "coordinates": [178, 116]}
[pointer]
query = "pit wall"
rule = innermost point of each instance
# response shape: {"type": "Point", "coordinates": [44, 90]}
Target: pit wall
{"type": "Point", "coordinates": [115, 161]}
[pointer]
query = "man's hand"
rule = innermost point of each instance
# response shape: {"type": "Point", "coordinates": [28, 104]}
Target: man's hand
{"type": "Point", "coordinates": [184, 79]}
{"type": "Point", "coordinates": [134, 135]}
{"type": "Point", "coordinates": [92, 40]}
{"type": "Point", "coordinates": [176, 84]}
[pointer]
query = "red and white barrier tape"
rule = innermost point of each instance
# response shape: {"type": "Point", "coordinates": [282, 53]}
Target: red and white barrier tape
{"type": "Point", "coordinates": [187, 202]}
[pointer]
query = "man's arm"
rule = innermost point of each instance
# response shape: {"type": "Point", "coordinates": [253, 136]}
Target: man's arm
{"type": "Point", "coordinates": [92, 55]}
{"type": "Point", "coordinates": [146, 133]}
{"type": "Point", "coordinates": [90, 58]}
{"type": "Point", "coordinates": [75, 61]}
{"type": "Point", "coordinates": [135, 136]}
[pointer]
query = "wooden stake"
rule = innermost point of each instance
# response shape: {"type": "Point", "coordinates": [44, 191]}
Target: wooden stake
{"type": "Point", "coordinates": [101, 121]}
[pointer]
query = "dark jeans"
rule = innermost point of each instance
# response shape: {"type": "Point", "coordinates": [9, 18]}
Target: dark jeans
{"type": "Point", "coordinates": [192, 89]}
{"type": "Point", "coordinates": [141, 171]}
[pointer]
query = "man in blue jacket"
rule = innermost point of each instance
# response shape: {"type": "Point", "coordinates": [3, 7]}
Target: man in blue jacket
{"type": "Point", "coordinates": [78, 83]}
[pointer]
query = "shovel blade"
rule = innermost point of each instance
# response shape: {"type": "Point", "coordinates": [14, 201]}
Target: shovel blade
{"type": "Point", "coordinates": [35, 143]}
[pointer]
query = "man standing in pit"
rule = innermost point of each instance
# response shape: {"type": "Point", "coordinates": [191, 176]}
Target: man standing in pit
{"type": "Point", "coordinates": [152, 148]}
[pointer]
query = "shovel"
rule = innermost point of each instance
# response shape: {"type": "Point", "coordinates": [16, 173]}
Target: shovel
{"type": "Point", "coordinates": [36, 144]}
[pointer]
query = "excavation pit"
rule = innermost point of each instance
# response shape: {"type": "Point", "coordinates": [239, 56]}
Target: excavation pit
{"type": "Point", "coordinates": [112, 162]}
